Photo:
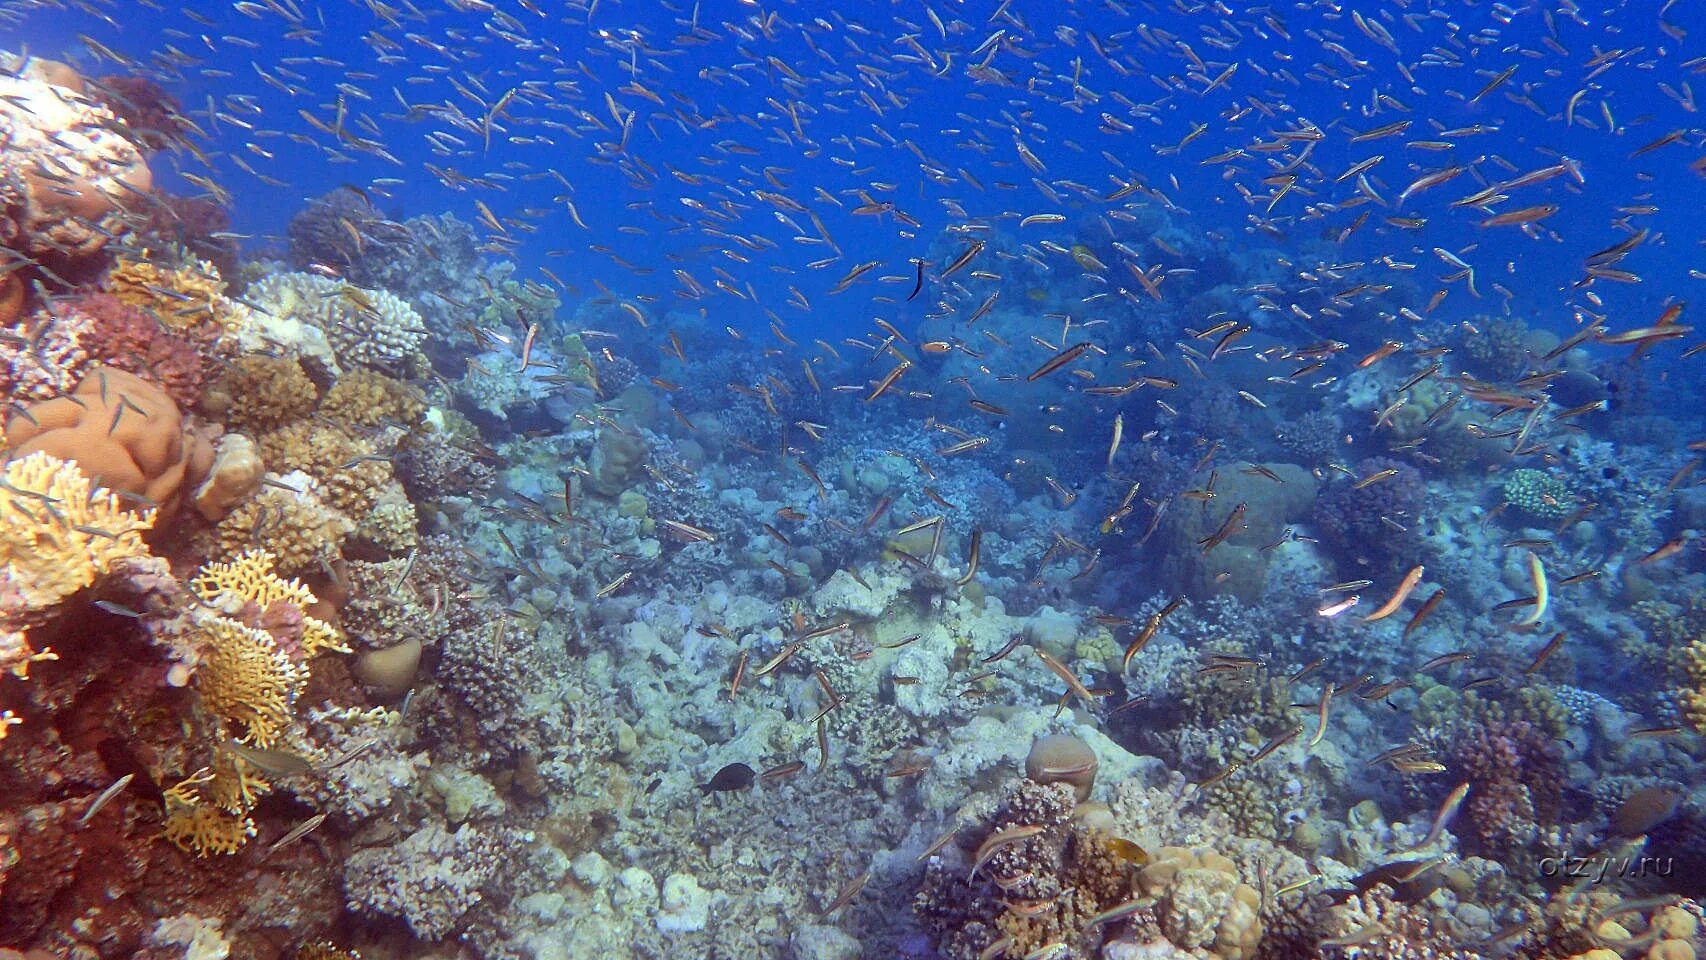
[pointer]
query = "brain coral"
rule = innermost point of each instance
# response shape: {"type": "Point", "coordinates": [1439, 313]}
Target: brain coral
{"type": "Point", "coordinates": [123, 431]}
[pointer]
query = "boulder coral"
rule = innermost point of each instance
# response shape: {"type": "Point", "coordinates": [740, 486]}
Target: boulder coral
{"type": "Point", "coordinates": [123, 432]}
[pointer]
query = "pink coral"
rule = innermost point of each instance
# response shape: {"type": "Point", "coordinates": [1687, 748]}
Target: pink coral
{"type": "Point", "coordinates": [153, 115]}
{"type": "Point", "coordinates": [1515, 775]}
{"type": "Point", "coordinates": [123, 337]}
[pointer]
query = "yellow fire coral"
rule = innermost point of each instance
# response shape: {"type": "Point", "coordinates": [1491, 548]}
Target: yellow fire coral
{"type": "Point", "coordinates": [250, 579]}
{"type": "Point", "coordinates": [248, 679]}
{"type": "Point", "coordinates": [200, 827]}
{"type": "Point", "coordinates": [59, 534]}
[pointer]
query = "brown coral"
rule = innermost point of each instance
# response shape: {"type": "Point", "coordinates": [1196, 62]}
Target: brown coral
{"type": "Point", "coordinates": [350, 470]}
{"type": "Point", "coordinates": [365, 398]}
{"type": "Point", "coordinates": [260, 393]}
{"type": "Point", "coordinates": [1201, 903]}
{"type": "Point", "coordinates": [296, 528]}
{"type": "Point", "coordinates": [122, 431]}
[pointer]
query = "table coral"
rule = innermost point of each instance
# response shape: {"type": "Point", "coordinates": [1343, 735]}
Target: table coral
{"type": "Point", "coordinates": [120, 429]}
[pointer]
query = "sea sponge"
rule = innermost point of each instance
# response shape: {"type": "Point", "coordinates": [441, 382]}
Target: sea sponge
{"type": "Point", "coordinates": [121, 430]}
{"type": "Point", "coordinates": [1062, 758]}
{"type": "Point", "coordinates": [260, 393]}
{"type": "Point", "coordinates": [67, 173]}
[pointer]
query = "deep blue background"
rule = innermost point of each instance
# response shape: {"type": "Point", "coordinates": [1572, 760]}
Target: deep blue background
{"type": "Point", "coordinates": [853, 95]}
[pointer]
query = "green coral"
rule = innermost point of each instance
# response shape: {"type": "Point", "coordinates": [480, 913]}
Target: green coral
{"type": "Point", "coordinates": [514, 305]}
{"type": "Point", "coordinates": [1537, 495]}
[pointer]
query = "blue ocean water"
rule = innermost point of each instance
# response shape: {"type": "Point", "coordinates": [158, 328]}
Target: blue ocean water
{"type": "Point", "coordinates": [990, 479]}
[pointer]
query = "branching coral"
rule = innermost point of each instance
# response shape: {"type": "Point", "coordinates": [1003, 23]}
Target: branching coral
{"type": "Point", "coordinates": [366, 328]}
{"type": "Point", "coordinates": [296, 527]}
{"type": "Point", "coordinates": [121, 337]}
{"type": "Point", "coordinates": [1372, 924]}
{"type": "Point", "coordinates": [260, 393]}
{"type": "Point", "coordinates": [1515, 774]}
{"type": "Point", "coordinates": [1042, 886]}
{"type": "Point", "coordinates": [364, 398]}
{"type": "Point", "coordinates": [1377, 522]}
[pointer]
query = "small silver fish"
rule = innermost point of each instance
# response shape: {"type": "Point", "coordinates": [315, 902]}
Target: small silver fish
{"type": "Point", "coordinates": [296, 833]}
{"type": "Point", "coordinates": [105, 798]}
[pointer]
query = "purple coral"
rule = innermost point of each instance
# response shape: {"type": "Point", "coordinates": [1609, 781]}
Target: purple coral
{"type": "Point", "coordinates": [1515, 774]}
{"type": "Point", "coordinates": [1374, 524]}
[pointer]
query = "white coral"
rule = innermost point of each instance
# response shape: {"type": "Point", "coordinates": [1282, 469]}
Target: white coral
{"type": "Point", "coordinates": [365, 328]}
